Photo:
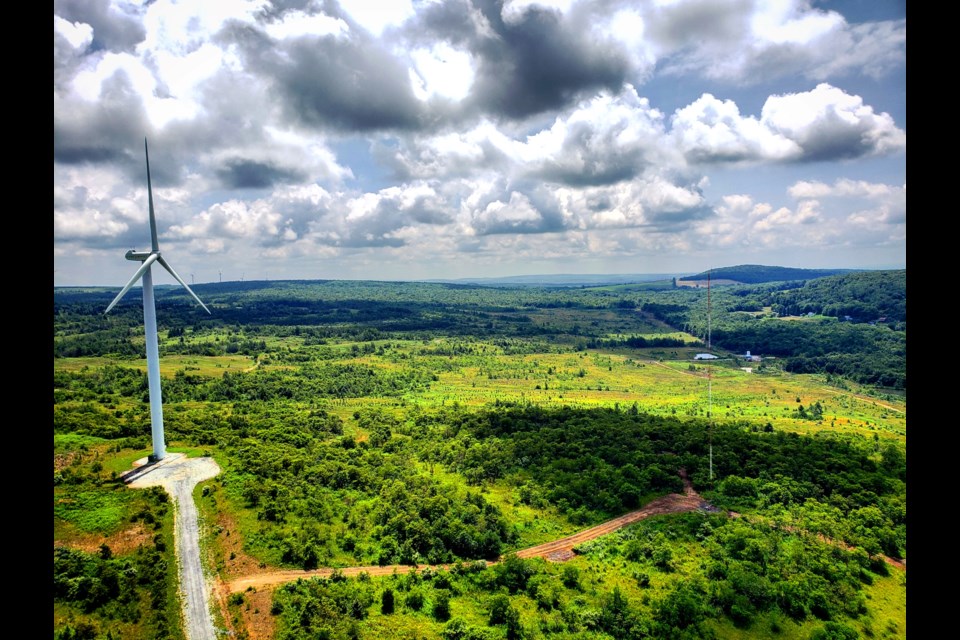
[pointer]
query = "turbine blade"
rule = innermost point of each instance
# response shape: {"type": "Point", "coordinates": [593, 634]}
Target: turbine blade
{"type": "Point", "coordinates": [153, 220]}
{"type": "Point", "coordinates": [139, 274]}
{"type": "Point", "coordinates": [180, 280]}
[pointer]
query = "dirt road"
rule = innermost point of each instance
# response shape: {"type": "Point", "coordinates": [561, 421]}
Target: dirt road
{"type": "Point", "coordinates": [557, 550]}
{"type": "Point", "coordinates": [178, 475]}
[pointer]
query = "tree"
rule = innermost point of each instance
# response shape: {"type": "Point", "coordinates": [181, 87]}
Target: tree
{"type": "Point", "coordinates": [441, 606]}
{"type": "Point", "coordinates": [414, 600]}
{"type": "Point", "coordinates": [514, 628]}
{"type": "Point", "coordinates": [386, 601]}
{"type": "Point", "coordinates": [499, 604]}
{"type": "Point", "coordinates": [615, 617]}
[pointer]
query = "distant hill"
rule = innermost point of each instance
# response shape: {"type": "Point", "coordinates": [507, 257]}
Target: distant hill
{"type": "Point", "coordinates": [563, 280]}
{"type": "Point", "coordinates": [756, 274]}
{"type": "Point", "coordinates": [866, 296]}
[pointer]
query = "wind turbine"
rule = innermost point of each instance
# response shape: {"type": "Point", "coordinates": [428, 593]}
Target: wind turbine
{"type": "Point", "coordinates": [150, 318]}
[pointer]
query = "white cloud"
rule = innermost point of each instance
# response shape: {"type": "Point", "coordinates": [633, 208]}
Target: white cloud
{"type": "Point", "coordinates": [712, 130]}
{"type": "Point", "coordinates": [829, 122]}
{"type": "Point", "coordinates": [513, 10]}
{"type": "Point", "coordinates": [747, 42]}
{"type": "Point", "coordinates": [376, 15]}
{"type": "Point", "coordinates": [86, 223]}
{"type": "Point", "coordinates": [785, 21]}
{"type": "Point", "coordinates": [873, 49]}
{"type": "Point", "coordinates": [844, 187]}
{"type": "Point", "coordinates": [598, 171]}
{"type": "Point", "coordinates": [88, 83]}
{"type": "Point", "coordinates": [819, 222]}
{"type": "Point", "coordinates": [517, 213]}
{"type": "Point", "coordinates": [78, 34]}
{"type": "Point", "coordinates": [442, 70]}
{"type": "Point", "coordinates": [181, 27]}
{"type": "Point", "coordinates": [295, 24]}
{"type": "Point", "coordinates": [232, 219]}
{"type": "Point", "coordinates": [825, 123]}
{"type": "Point", "coordinates": [885, 204]}
{"type": "Point", "coordinates": [608, 138]}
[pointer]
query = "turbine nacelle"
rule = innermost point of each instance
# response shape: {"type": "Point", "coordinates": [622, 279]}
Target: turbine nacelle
{"type": "Point", "coordinates": [138, 256]}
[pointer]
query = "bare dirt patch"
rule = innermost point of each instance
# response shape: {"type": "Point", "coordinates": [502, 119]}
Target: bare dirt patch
{"type": "Point", "coordinates": [63, 460]}
{"type": "Point", "coordinates": [255, 615]}
{"type": "Point", "coordinates": [236, 562]}
{"type": "Point", "coordinates": [120, 543]}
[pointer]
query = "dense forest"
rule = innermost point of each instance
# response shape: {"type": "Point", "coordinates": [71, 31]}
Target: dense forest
{"type": "Point", "coordinates": [851, 326]}
{"type": "Point", "coordinates": [756, 274]}
{"type": "Point", "coordinates": [411, 424]}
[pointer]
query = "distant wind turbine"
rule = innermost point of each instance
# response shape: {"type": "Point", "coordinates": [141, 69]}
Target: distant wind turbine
{"type": "Point", "coordinates": [150, 318]}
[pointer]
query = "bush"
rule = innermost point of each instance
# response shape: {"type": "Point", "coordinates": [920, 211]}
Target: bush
{"type": "Point", "coordinates": [386, 601]}
{"type": "Point", "coordinates": [570, 576]}
{"type": "Point", "coordinates": [441, 606]}
{"type": "Point", "coordinates": [414, 601]}
{"type": "Point", "coordinates": [499, 604]}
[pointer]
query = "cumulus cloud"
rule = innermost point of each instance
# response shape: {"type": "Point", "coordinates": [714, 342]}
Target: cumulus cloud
{"type": "Point", "coordinates": [387, 218]}
{"type": "Point", "coordinates": [605, 140]}
{"type": "Point", "coordinates": [823, 124]}
{"type": "Point", "coordinates": [885, 204]}
{"type": "Point", "coordinates": [451, 154]}
{"type": "Point", "coordinates": [749, 42]}
{"type": "Point", "coordinates": [516, 215]}
{"type": "Point", "coordinates": [113, 26]}
{"type": "Point", "coordinates": [100, 208]}
{"type": "Point", "coordinates": [874, 216]}
{"type": "Point", "coordinates": [441, 70]}
{"type": "Point", "coordinates": [342, 83]}
{"type": "Point", "coordinates": [844, 187]}
{"type": "Point", "coordinates": [711, 130]}
{"type": "Point", "coordinates": [828, 123]}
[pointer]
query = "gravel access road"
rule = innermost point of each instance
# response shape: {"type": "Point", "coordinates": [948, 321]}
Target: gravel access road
{"type": "Point", "coordinates": [178, 475]}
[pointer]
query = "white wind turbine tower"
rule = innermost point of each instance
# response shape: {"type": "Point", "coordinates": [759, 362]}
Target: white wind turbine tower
{"type": "Point", "coordinates": [150, 318]}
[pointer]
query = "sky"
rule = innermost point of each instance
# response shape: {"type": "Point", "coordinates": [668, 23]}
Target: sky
{"type": "Point", "coordinates": [424, 139]}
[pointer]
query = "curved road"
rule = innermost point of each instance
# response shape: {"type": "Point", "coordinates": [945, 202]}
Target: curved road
{"type": "Point", "coordinates": [178, 475]}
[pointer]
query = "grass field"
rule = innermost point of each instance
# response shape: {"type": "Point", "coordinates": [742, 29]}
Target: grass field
{"type": "Point", "coordinates": [169, 364]}
{"type": "Point", "coordinates": [662, 382]}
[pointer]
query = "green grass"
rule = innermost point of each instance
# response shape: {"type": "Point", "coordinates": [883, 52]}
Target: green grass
{"type": "Point", "coordinates": [535, 526]}
{"type": "Point", "coordinates": [93, 510]}
{"type": "Point", "coordinates": [169, 364]}
{"type": "Point", "coordinates": [887, 606]}
{"type": "Point", "coordinates": [74, 441]}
